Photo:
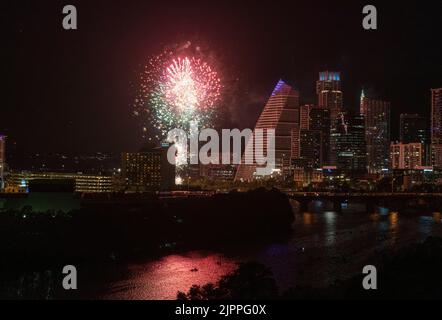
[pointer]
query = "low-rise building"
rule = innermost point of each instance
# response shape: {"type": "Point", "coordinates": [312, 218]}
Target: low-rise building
{"type": "Point", "coordinates": [83, 183]}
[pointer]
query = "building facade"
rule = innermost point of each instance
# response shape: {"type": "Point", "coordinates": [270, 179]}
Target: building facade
{"type": "Point", "coordinates": [436, 155]}
{"type": "Point", "coordinates": [311, 147]}
{"type": "Point", "coordinates": [329, 93]}
{"type": "Point", "coordinates": [436, 116]}
{"type": "Point", "coordinates": [349, 138]}
{"type": "Point", "coordinates": [407, 155]}
{"type": "Point", "coordinates": [436, 127]}
{"type": "Point", "coordinates": [377, 132]}
{"type": "Point", "coordinates": [413, 128]}
{"type": "Point", "coordinates": [304, 116]}
{"type": "Point", "coordinates": [320, 121]}
{"type": "Point", "coordinates": [305, 177]}
{"type": "Point", "coordinates": [295, 146]}
{"type": "Point", "coordinates": [147, 170]}
{"type": "Point", "coordinates": [330, 97]}
{"type": "Point", "coordinates": [83, 183]}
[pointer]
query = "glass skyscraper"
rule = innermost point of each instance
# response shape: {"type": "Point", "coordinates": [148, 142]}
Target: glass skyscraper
{"type": "Point", "coordinates": [349, 137]}
{"type": "Point", "coordinates": [377, 132]}
{"type": "Point", "coordinates": [436, 127]}
{"type": "Point", "coordinates": [280, 113]}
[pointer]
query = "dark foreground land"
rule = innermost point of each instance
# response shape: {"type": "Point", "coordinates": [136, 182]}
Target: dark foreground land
{"type": "Point", "coordinates": [35, 246]}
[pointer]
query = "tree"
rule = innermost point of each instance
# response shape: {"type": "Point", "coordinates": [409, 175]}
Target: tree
{"type": "Point", "coordinates": [250, 281]}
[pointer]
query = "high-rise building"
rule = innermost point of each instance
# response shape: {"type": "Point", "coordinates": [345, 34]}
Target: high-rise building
{"type": "Point", "coordinates": [349, 137]}
{"type": "Point", "coordinates": [2, 159]}
{"type": "Point", "coordinates": [377, 132]}
{"type": "Point", "coordinates": [406, 155]}
{"type": "Point", "coordinates": [436, 127]}
{"type": "Point", "coordinates": [413, 128]}
{"type": "Point", "coordinates": [311, 147]}
{"type": "Point", "coordinates": [335, 132]}
{"type": "Point", "coordinates": [436, 116]}
{"type": "Point", "coordinates": [329, 93]}
{"type": "Point", "coordinates": [328, 90]}
{"type": "Point", "coordinates": [436, 155]}
{"type": "Point", "coordinates": [281, 113]}
{"type": "Point", "coordinates": [304, 116]}
{"type": "Point", "coordinates": [148, 170]}
{"type": "Point", "coordinates": [295, 148]}
{"type": "Point", "coordinates": [320, 121]}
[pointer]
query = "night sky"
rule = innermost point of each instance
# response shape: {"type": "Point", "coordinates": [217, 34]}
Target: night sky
{"type": "Point", "coordinates": [72, 91]}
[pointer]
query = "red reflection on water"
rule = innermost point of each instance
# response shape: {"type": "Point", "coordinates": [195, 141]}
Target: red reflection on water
{"type": "Point", "coordinates": [160, 280]}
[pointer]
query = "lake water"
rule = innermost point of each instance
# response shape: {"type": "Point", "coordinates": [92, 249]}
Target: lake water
{"type": "Point", "coordinates": [325, 246]}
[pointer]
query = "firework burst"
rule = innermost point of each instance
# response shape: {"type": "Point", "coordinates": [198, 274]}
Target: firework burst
{"type": "Point", "coordinates": [176, 89]}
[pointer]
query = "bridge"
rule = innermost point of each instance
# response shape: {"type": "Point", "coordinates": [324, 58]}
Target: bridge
{"type": "Point", "coordinates": [396, 201]}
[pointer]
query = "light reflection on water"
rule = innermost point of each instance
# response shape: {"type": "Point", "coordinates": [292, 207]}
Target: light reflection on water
{"type": "Point", "coordinates": [162, 279]}
{"type": "Point", "coordinates": [324, 247]}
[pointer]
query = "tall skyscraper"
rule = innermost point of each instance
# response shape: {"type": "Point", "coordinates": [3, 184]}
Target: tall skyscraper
{"type": "Point", "coordinates": [320, 121]}
{"type": "Point", "coordinates": [349, 135]}
{"type": "Point", "coordinates": [329, 95]}
{"type": "Point", "coordinates": [281, 113]}
{"type": "Point", "coordinates": [2, 159]}
{"type": "Point", "coordinates": [406, 155]}
{"type": "Point", "coordinates": [436, 127]}
{"type": "Point", "coordinates": [436, 116]}
{"type": "Point", "coordinates": [295, 142]}
{"type": "Point", "coordinates": [436, 155]}
{"type": "Point", "coordinates": [377, 132]}
{"type": "Point", "coordinates": [328, 90]}
{"type": "Point", "coordinates": [304, 116]}
{"type": "Point", "coordinates": [413, 129]}
{"type": "Point", "coordinates": [311, 147]}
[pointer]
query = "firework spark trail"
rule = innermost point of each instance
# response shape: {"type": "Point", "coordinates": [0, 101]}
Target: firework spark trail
{"type": "Point", "coordinates": [175, 90]}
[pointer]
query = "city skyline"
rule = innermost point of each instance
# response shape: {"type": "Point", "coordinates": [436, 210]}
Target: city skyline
{"type": "Point", "coordinates": [311, 126]}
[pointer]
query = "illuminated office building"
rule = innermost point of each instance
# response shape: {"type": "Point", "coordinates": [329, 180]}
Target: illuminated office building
{"type": "Point", "coordinates": [436, 116]}
{"type": "Point", "coordinates": [377, 132]}
{"type": "Point", "coordinates": [413, 129]}
{"type": "Point", "coordinates": [329, 93]}
{"type": "Point", "coordinates": [311, 147]}
{"type": "Point", "coordinates": [295, 147]}
{"type": "Point", "coordinates": [304, 116]}
{"type": "Point", "coordinates": [349, 137]}
{"type": "Point", "coordinates": [320, 121]}
{"type": "Point", "coordinates": [436, 127]}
